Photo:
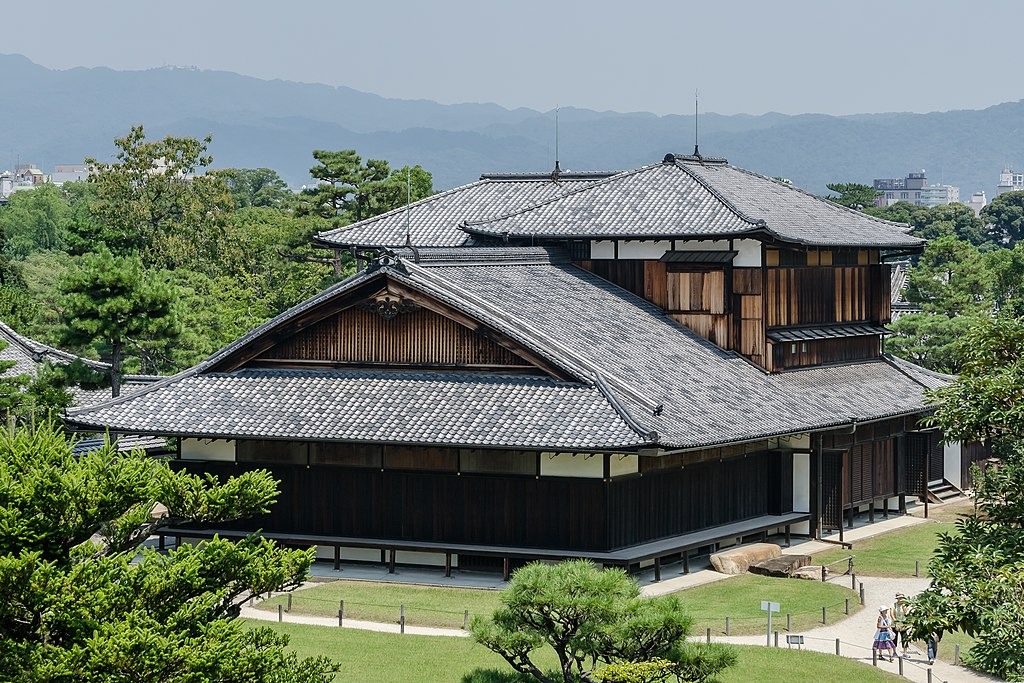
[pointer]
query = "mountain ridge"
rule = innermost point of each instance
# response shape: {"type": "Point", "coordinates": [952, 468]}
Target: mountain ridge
{"type": "Point", "coordinates": [62, 116]}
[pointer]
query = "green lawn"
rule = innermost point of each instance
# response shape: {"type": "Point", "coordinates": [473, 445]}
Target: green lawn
{"type": "Point", "coordinates": [893, 553]}
{"type": "Point", "coordinates": [368, 657]}
{"type": "Point", "coordinates": [740, 598]}
{"type": "Point", "coordinates": [381, 601]}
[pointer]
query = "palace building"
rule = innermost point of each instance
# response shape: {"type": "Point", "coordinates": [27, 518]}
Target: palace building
{"type": "Point", "coordinates": [631, 367]}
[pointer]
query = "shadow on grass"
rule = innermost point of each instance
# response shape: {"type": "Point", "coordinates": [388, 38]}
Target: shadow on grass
{"type": "Point", "coordinates": [497, 676]}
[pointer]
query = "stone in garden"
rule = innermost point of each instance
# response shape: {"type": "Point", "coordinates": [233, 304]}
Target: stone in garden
{"type": "Point", "coordinates": [783, 566]}
{"type": "Point", "coordinates": [738, 560]}
{"type": "Point", "coordinates": [811, 571]}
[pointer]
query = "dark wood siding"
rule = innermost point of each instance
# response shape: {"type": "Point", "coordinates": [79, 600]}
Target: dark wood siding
{"type": "Point", "coordinates": [819, 351]}
{"type": "Point", "coordinates": [816, 295]}
{"type": "Point", "coordinates": [417, 337]}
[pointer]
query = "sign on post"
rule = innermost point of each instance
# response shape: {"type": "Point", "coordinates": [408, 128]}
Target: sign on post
{"type": "Point", "coordinates": [794, 640]}
{"type": "Point", "coordinates": [769, 607]}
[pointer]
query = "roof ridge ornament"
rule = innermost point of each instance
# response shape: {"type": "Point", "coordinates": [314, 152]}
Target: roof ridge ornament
{"type": "Point", "coordinates": [385, 258]}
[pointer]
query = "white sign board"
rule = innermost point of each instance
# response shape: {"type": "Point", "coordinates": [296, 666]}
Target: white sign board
{"type": "Point", "coordinates": [769, 606]}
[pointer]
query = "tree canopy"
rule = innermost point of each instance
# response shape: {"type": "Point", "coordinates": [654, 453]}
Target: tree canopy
{"type": "Point", "coordinates": [81, 597]}
{"type": "Point", "coordinates": [591, 618]}
{"type": "Point", "coordinates": [1004, 216]}
{"type": "Point", "coordinates": [853, 195]}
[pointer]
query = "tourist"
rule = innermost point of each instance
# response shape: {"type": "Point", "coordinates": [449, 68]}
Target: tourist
{"type": "Point", "coordinates": [883, 635]}
{"type": "Point", "coordinates": [900, 612]}
{"type": "Point", "coordinates": [933, 645]}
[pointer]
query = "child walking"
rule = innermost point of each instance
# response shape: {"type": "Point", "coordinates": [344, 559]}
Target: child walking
{"type": "Point", "coordinates": [884, 643]}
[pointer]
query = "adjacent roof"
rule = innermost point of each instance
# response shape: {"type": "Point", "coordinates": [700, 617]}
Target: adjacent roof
{"type": "Point", "coordinates": [29, 355]}
{"type": "Point", "coordinates": [636, 377]}
{"type": "Point", "coordinates": [434, 221]}
{"type": "Point", "coordinates": [694, 197]}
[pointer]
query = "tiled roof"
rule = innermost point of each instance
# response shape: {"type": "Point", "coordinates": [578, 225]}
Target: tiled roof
{"type": "Point", "coordinates": [688, 197]}
{"type": "Point", "coordinates": [28, 355]}
{"type": "Point", "coordinates": [469, 409]}
{"type": "Point", "coordinates": [639, 377]}
{"type": "Point", "coordinates": [434, 221]}
{"type": "Point", "coordinates": [825, 332]}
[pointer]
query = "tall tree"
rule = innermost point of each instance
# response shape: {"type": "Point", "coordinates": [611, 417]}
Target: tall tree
{"type": "Point", "coordinates": [256, 187]}
{"type": "Point", "coordinates": [156, 200]}
{"type": "Point", "coordinates": [81, 598]}
{"type": "Point", "coordinates": [978, 573]}
{"type": "Point", "coordinates": [853, 195]}
{"type": "Point", "coordinates": [1004, 218]}
{"type": "Point", "coordinates": [950, 278]}
{"type": "Point", "coordinates": [35, 220]}
{"type": "Point", "coordinates": [111, 300]}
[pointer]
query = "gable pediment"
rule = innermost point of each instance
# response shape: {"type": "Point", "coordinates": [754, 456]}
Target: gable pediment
{"type": "Point", "coordinates": [387, 324]}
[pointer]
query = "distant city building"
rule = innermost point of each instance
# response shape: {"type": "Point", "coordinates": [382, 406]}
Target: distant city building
{"type": "Point", "coordinates": [915, 190]}
{"type": "Point", "coordinates": [977, 202]}
{"type": "Point", "coordinates": [69, 173]}
{"type": "Point", "coordinates": [23, 177]}
{"type": "Point", "coordinates": [1009, 181]}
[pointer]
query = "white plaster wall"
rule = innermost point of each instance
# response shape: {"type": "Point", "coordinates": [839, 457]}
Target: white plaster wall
{"type": "Point", "coordinates": [602, 249]}
{"type": "Point", "coordinates": [801, 489]}
{"type": "Point", "coordinates": [749, 253]}
{"type": "Point", "coordinates": [951, 463]}
{"type": "Point", "coordinates": [569, 465]}
{"type": "Point", "coordinates": [623, 464]}
{"type": "Point", "coordinates": [208, 449]}
{"type": "Point", "coordinates": [643, 250]}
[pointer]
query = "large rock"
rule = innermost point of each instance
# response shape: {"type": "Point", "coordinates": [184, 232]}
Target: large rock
{"type": "Point", "coordinates": [738, 560]}
{"type": "Point", "coordinates": [811, 571]}
{"type": "Point", "coordinates": [783, 566]}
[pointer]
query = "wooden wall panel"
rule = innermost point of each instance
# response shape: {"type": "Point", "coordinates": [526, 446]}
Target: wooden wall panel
{"type": "Point", "coordinates": [656, 283]}
{"type": "Point", "coordinates": [418, 337]}
{"type": "Point", "coordinates": [746, 281]}
{"type": "Point", "coordinates": [714, 328]}
{"type": "Point", "coordinates": [826, 295]}
{"type": "Point", "coordinates": [818, 352]}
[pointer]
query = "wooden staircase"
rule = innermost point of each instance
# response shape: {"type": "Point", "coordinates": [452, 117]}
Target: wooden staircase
{"type": "Point", "coordinates": [941, 491]}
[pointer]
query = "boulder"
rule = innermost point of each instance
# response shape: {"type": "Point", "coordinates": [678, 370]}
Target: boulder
{"type": "Point", "coordinates": [783, 566]}
{"type": "Point", "coordinates": [811, 571]}
{"type": "Point", "coordinates": [738, 560]}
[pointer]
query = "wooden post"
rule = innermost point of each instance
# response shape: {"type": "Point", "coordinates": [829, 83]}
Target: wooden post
{"type": "Point", "coordinates": [917, 567]}
{"type": "Point", "coordinates": [686, 561]}
{"type": "Point", "coordinates": [853, 582]}
{"type": "Point", "coordinates": [823, 573]}
{"type": "Point", "coordinates": [787, 536]}
{"type": "Point", "coordinates": [727, 626]}
{"type": "Point", "coordinates": [391, 561]}
{"type": "Point", "coordinates": [776, 639]}
{"type": "Point", "coordinates": [956, 654]}
{"type": "Point", "coordinates": [505, 569]}
{"type": "Point", "coordinates": [657, 569]}
{"type": "Point", "coordinates": [789, 621]}
{"type": "Point", "coordinates": [861, 592]}
{"type": "Point", "coordinates": [289, 608]}
{"type": "Point", "coordinates": [709, 635]}
{"type": "Point", "coordinates": [874, 657]}
{"type": "Point", "coordinates": [837, 647]}
{"type": "Point", "coordinates": [465, 620]}
{"type": "Point", "coordinates": [447, 565]}
{"type": "Point", "coordinates": [161, 546]}
{"type": "Point", "coordinates": [900, 665]}
{"type": "Point", "coordinates": [341, 611]}
{"type": "Point", "coordinates": [823, 615]}
{"type": "Point", "coordinates": [337, 558]}
{"type": "Point", "coordinates": [401, 618]}
{"type": "Point", "coordinates": [280, 612]}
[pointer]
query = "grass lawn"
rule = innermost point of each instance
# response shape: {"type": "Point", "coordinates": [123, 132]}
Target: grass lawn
{"type": "Point", "coordinates": [740, 598]}
{"type": "Point", "coordinates": [380, 601]}
{"type": "Point", "coordinates": [894, 553]}
{"type": "Point", "coordinates": [947, 646]}
{"type": "Point", "coordinates": [368, 657]}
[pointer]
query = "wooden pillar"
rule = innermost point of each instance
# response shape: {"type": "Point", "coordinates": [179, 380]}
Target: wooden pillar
{"type": "Point", "coordinates": [383, 557]}
{"type": "Point", "coordinates": [447, 565]}
{"type": "Point", "coordinates": [871, 511]}
{"type": "Point", "coordinates": [161, 546]}
{"type": "Point", "coordinates": [506, 569]}
{"type": "Point", "coordinates": [337, 558]}
{"type": "Point", "coordinates": [657, 569]}
{"type": "Point", "coordinates": [391, 561]}
{"type": "Point", "coordinates": [686, 561]}
{"type": "Point", "coordinates": [787, 536]}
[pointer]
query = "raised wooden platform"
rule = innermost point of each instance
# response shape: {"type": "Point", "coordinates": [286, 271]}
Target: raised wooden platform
{"type": "Point", "coordinates": [623, 557]}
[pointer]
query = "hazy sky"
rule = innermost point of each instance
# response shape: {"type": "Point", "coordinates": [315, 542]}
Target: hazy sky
{"type": "Point", "coordinates": [744, 56]}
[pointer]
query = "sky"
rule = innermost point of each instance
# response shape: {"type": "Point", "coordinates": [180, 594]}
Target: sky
{"type": "Point", "coordinates": [741, 56]}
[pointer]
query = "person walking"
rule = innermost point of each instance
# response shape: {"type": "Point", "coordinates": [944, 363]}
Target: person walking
{"type": "Point", "coordinates": [883, 633]}
{"type": "Point", "coordinates": [900, 612]}
{"type": "Point", "coordinates": [932, 641]}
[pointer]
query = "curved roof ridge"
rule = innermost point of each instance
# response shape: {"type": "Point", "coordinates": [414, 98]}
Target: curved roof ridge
{"type": "Point", "coordinates": [399, 210]}
{"type": "Point", "coordinates": [651, 435]}
{"type": "Point", "coordinates": [34, 348]}
{"type": "Point", "coordinates": [518, 212]}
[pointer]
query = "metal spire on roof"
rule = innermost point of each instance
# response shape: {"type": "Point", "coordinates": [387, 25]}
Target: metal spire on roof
{"type": "Point", "coordinates": [696, 147]}
{"type": "Point", "coordinates": [558, 171]}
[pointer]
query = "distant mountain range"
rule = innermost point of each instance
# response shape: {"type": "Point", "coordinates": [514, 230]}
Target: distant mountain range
{"type": "Point", "coordinates": [50, 117]}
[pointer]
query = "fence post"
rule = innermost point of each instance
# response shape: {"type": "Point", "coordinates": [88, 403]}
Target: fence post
{"type": "Point", "coordinates": [823, 573]}
{"type": "Point", "coordinates": [837, 647]}
{"type": "Point", "coordinates": [853, 581]}
{"type": "Point", "coordinates": [727, 626]}
{"type": "Point", "coordinates": [917, 567]}
{"type": "Point", "coordinates": [901, 665]}
{"type": "Point", "coordinates": [861, 592]}
{"type": "Point", "coordinates": [847, 605]}
{"type": "Point", "coordinates": [280, 612]}
{"type": "Point", "coordinates": [776, 639]}
{"type": "Point", "coordinates": [465, 620]}
{"type": "Point", "coordinates": [401, 618]}
{"type": "Point", "coordinates": [874, 657]}
{"type": "Point", "coordinates": [956, 655]}
{"type": "Point", "coordinates": [289, 608]}
{"type": "Point", "coordinates": [341, 612]}
{"type": "Point", "coordinates": [823, 615]}
{"type": "Point", "coordinates": [709, 635]}
{"type": "Point", "coordinates": [789, 621]}
{"type": "Point", "coordinates": [929, 675]}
